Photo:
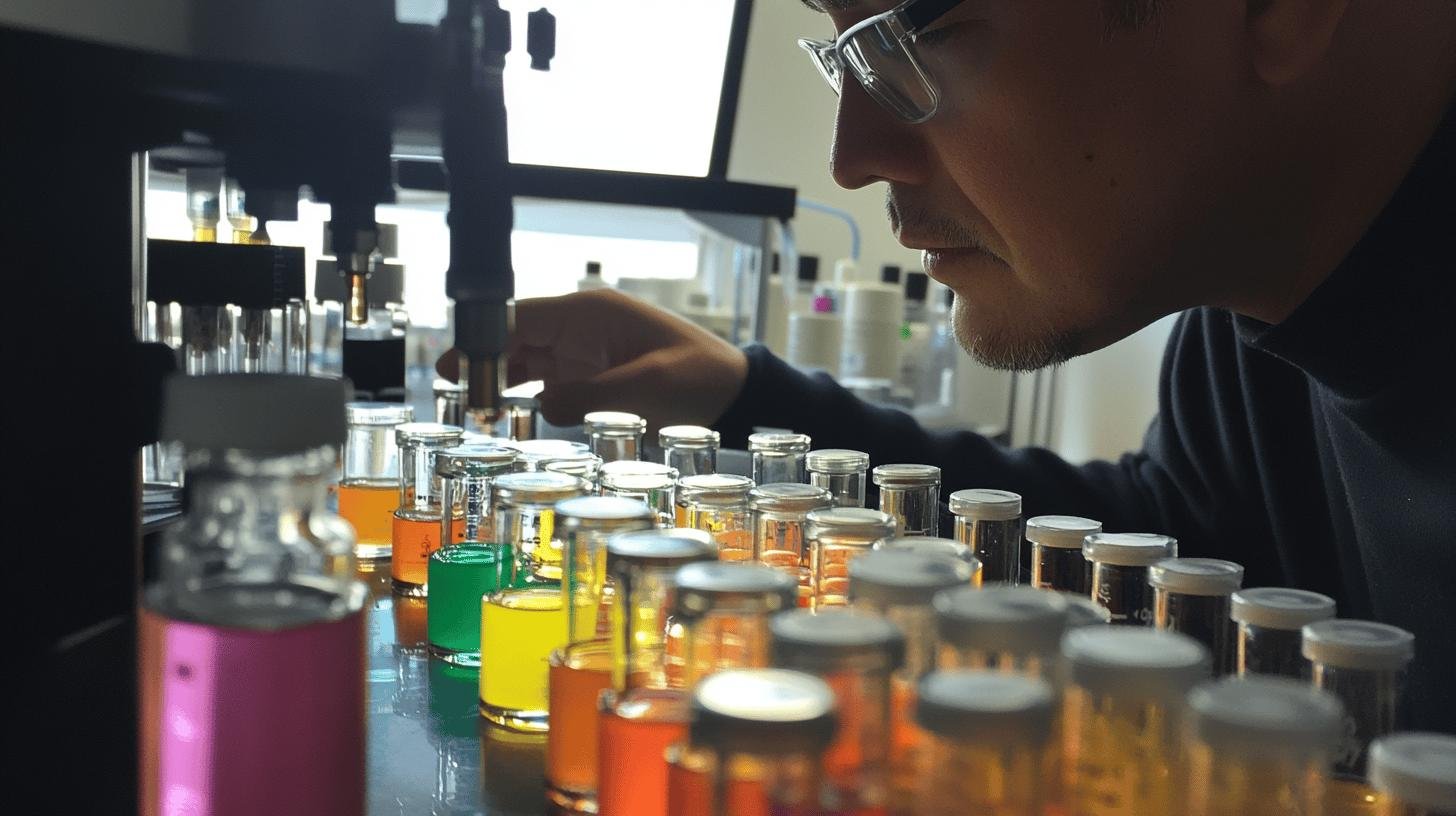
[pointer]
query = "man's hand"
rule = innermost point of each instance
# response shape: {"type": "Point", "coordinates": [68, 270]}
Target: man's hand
{"type": "Point", "coordinates": [602, 350]}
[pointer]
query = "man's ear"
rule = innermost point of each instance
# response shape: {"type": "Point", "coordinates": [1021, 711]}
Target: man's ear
{"type": "Point", "coordinates": [1288, 38]}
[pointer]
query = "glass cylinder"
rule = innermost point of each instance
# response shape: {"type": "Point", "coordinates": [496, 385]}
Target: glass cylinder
{"type": "Point", "coordinates": [718, 504]}
{"type": "Point", "coordinates": [989, 522]}
{"type": "Point", "coordinates": [519, 629]}
{"type": "Point", "coordinates": [1414, 774]}
{"type": "Point", "coordinates": [417, 522]}
{"type": "Point", "coordinates": [615, 435]}
{"type": "Point", "coordinates": [466, 473]}
{"type": "Point", "coordinates": [535, 453]}
{"type": "Point", "coordinates": [1123, 718]}
{"type": "Point", "coordinates": [779, 513]}
{"type": "Point", "coordinates": [755, 745]}
{"type": "Point", "coordinates": [855, 653]}
{"type": "Point", "coordinates": [582, 669]}
{"type": "Point", "coordinates": [1011, 629]}
{"type": "Point", "coordinates": [1364, 664]}
{"type": "Point", "coordinates": [524, 518]}
{"type": "Point", "coordinates": [459, 576]}
{"type": "Point", "coordinates": [1192, 596]}
{"type": "Point", "coordinates": [690, 449]}
{"type": "Point", "coordinates": [987, 736]}
{"type": "Point", "coordinates": [837, 536]}
{"type": "Point", "coordinates": [900, 586]}
{"type": "Point", "coordinates": [1269, 621]}
{"type": "Point", "coordinates": [648, 482]}
{"type": "Point", "coordinates": [519, 421]}
{"type": "Point", "coordinates": [931, 545]}
{"type": "Point", "coordinates": [1056, 552]}
{"type": "Point", "coordinates": [841, 472]}
{"type": "Point", "coordinates": [778, 457]}
{"type": "Point", "coordinates": [646, 710]}
{"type": "Point", "coordinates": [723, 610]}
{"type": "Point", "coordinates": [369, 484]}
{"type": "Point", "coordinates": [1259, 746]}
{"type": "Point", "coordinates": [584, 466]}
{"type": "Point", "coordinates": [449, 403]}
{"type": "Point", "coordinates": [911, 495]}
{"type": "Point", "coordinates": [1119, 566]}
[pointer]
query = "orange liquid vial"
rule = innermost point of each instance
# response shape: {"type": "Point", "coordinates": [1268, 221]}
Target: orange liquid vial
{"type": "Point", "coordinates": [690, 790]}
{"type": "Point", "coordinates": [633, 738]}
{"type": "Point", "coordinates": [578, 676]}
{"type": "Point", "coordinates": [414, 540]}
{"type": "Point", "coordinates": [370, 509]}
{"type": "Point", "coordinates": [734, 545]}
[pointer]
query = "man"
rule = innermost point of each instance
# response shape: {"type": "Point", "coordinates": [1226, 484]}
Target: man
{"type": "Point", "coordinates": [1075, 169]}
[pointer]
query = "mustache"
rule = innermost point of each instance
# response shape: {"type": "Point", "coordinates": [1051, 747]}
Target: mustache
{"type": "Point", "coordinates": [922, 222]}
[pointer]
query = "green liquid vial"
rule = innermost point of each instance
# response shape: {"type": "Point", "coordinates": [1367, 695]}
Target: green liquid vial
{"type": "Point", "coordinates": [458, 577]}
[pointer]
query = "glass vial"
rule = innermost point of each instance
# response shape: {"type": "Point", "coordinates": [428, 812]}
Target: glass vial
{"type": "Point", "coordinates": [449, 403]}
{"type": "Point", "coordinates": [615, 435]}
{"type": "Point", "coordinates": [417, 522]}
{"type": "Point", "coordinates": [755, 745]}
{"type": "Point", "coordinates": [930, 545]}
{"type": "Point", "coordinates": [723, 610]}
{"type": "Point", "coordinates": [837, 536]}
{"type": "Point", "coordinates": [1192, 596]}
{"type": "Point", "coordinates": [778, 457]}
{"type": "Point", "coordinates": [582, 669]}
{"type": "Point", "coordinates": [1259, 746]}
{"type": "Point", "coordinates": [690, 449]}
{"type": "Point", "coordinates": [519, 629]}
{"type": "Point", "coordinates": [855, 653]}
{"type": "Point", "coordinates": [1119, 565]}
{"type": "Point", "coordinates": [653, 484]}
{"type": "Point", "coordinates": [987, 734]}
{"type": "Point", "coordinates": [465, 474]}
{"type": "Point", "coordinates": [779, 513]}
{"type": "Point", "coordinates": [536, 453]}
{"type": "Point", "coordinates": [910, 494]}
{"type": "Point", "coordinates": [989, 522]}
{"type": "Point", "coordinates": [1414, 774]}
{"type": "Point", "coordinates": [841, 472]}
{"type": "Point", "coordinates": [718, 504]}
{"type": "Point", "coordinates": [1123, 718]}
{"type": "Point", "coordinates": [1269, 621]}
{"type": "Point", "coordinates": [524, 519]}
{"type": "Point", "coordinates": [1010, 629]}
{"type": "Point", "coordinates": [1364, 664]}
{"type": "Point", "coordinates": [369, 485]}
{"type": "Point", "coordinates": [1083, 611]}
{"type": "Point", "coordinates": [1056, 552]}
{"type": "Point", "coordinates": [584, 466]}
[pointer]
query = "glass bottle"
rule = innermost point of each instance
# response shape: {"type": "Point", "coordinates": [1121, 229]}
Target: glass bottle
{"type": "Point", "coordinates": [931, 545]}
{"type": "Point", "coordinates": [718, 504]}
{"type": "Point", "coordinates": [536, 453]}
{"type": "Point", "coordinates": [754, 745]}
{"type": "Point", "coordinates": [837, 536]}
{"type": "Point", "coordinates": [650, 483]}
{"type": "Point", "coordinates": [911, 495]}
{"type": "Point", "coordinates": [690, 449]}
{"type": "Point", "coordinates": [1192, 596]}
{"type": "Point", "coordinates": [778, 457]}
{"type": "Point", "coordinates": [1364, 664]}
{"type": "Point", "coordinates": [1414, 774]}
{"type": "Point", "coordinates": [1123, 719]}
{"type": "Point", "coordinates": [582, 669]}
{"type": "Point", "coordinates": [615, 435]}
{"type": "Point", "coordinates": [1259, 746]}
{"type": "Point", "coordinates": [842, 472]}
{"type": "Point", "coordinates": [524, 518]}
{"type": "Point", "coordinates": [1001, 628]}
{"type": "Point", "coordinates": [987, 735]}
{"type": "Point", "coordinates": [855, 653]}
{"type": "Point", "coordinates": [584, 466]}
{"type": "Point", "coordinates": [779, 513]}
{"type": "Point", "coordinates": [449, 402]}
{"type": "Point", "coordinates": [417, 522]}
{"type": "Point", "coordinates": [989, 522]}
{"type": "Point", "coordinates": [1056, 552]}
{"type": "Point", "coordinates": [256, 588]}
{"type": "Point", "coordinates": [1269, 621]}
{"type": "Point", "coordinates": [1119, 566]}
{"type": "Point", "coordinates": [369, 486]}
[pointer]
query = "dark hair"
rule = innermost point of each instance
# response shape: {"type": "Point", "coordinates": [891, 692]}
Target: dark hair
{"type": "Point", "coordinates": [1130, 13]}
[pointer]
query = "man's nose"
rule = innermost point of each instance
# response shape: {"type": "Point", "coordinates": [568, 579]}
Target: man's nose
{"type": "Point", "coordinates": [872, 144]}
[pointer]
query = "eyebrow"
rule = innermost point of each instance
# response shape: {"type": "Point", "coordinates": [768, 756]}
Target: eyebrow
{"type": "Point", "coordinates": [830, 5]}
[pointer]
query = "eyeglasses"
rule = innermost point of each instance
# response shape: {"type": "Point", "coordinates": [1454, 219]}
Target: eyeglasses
{"type": "Point", "coordinates": [879, 51]}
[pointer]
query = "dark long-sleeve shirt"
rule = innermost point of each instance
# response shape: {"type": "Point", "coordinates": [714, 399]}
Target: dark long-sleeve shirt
{"type": "Point", "coordinates": [1320, 452]}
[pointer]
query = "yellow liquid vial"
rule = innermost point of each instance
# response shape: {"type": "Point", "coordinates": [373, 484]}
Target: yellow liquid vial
{"type": "Point", "coordinates": [518, 631]}
{"type": "Point", "coordinates": [370, 509]}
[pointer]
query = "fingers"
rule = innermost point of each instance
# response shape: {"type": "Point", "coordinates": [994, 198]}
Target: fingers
{"type": "Point", "coordinates": [635, 386]}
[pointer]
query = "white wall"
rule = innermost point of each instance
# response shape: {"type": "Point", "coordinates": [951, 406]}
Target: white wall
{"type": "Point", "coordinates": [1104, 400]}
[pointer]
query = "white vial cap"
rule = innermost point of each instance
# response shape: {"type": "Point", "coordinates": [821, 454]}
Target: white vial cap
{"type": "Point", "coordinates": [985, 707]}
{"type": "Point", "coordinates": [897, 578]}
{"type": "Point", "coordinates": [687, 436]}
{"type": "Point", "coordinates": [378, 413]}
{"type": "Point", "coordinates": [1018, 620]}
{"type": "Point", "coordinates": [614, 422]}
{"type": "Point", "coordinates": [982, 504]}
{"type": "Point", "coordinates": [837, 461]}
{"type": "Point", "coordinates": [779, 442]}
{"type": "Point", "coordinates": [932, 545]}
{"type": "Point", "coordinates": [1062, 532]}
{"type": "Point", "coordinates": [631, 474]}
{"type": "Point", "coordinates": [905, 475]}
{"type": "Point", "coordinates": [1418, 768]}
{"type": "Point", "coordinates": [1281, 608]}
{"type": "Point", "coordinates": [1129, 549]}
{"type": "Point", "coordinates": [1128, 662]}
{"type": "Point", "coordinates": [1265, 716]}
{"type": "Point", "coordinates": [1357, 644]}
{"type": "Point", "coordinates": [1196, 576]}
